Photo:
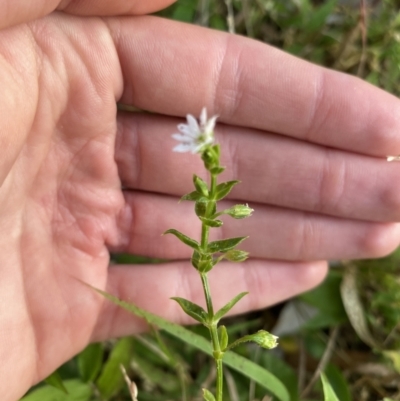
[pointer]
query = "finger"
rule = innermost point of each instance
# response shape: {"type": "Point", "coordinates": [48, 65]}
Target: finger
{"type": "Point", "coordinates": [14, 12]}
{"type": "Point", "coordinates": [274, 170]}
{"type": "Point", "coordinates": [151, 287]}
{"type": "Point", "coordinates": [251, 84]}
{"type": "Point", "coordinates": [113, 7]}
{"type": "Point", "coordinates": [274, 233]}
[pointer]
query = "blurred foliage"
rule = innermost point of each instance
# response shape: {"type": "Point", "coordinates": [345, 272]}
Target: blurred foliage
{"type": "Point", "coordinates": [329, 33]}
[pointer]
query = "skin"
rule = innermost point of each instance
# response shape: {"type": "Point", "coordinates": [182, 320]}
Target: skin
{"type": "Point", "coordinates": [308, 144]}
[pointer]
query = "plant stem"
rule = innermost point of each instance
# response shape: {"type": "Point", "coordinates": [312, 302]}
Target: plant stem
{"type": "Point", "coordinates": [207, 294]}
{"type": "Point", "coordinates": [217, 353]}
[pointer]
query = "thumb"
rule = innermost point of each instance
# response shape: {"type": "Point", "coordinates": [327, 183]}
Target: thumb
{"type": "Point", "coordinates": [14, 12]}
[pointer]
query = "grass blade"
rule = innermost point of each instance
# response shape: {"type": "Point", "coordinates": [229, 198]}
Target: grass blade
{"type": "Point", "coordinates": [244, 366]}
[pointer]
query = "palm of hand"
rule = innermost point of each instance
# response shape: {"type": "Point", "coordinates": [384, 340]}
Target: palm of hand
{"type": "Point", "coordinates": [61, 195]}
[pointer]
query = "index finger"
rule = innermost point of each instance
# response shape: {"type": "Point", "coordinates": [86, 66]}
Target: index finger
{"type": "Point", "coordinates": [174, 68]}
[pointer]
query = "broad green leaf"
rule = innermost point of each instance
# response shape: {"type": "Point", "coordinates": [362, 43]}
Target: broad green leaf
{"type": "Point", "coordinates": [210, 222]}
{"type": "Point", "coordinates": [242, 365]}
{"type": "Point", "coordinates": [191, 309]}
{"type": "Point", "coordinates": [111, 379]}
{"type": "Point", "coordinates": [224, 188]}
{"type": "Point", "coordinates": [223, 337]}
{"type": "Point", "coordinates": [200, 185]}
{"type": "Point", "coordinates": [192, 196]}
{"type": "Point", "coordinates": [329, 394]}
{"type": "Point", "coordinates": [283, 372]}
{"type": "Point", "coordinates": [90, 361]}
{"type": "Point", "coordinates": [207, 395]}
{"type": "Point", "coordinates": [55, 380]}
{"type": "Point", "coordinates": [185, 239]}
{"type": "Point", "coordinates": [77, 391]}
{"type": "Point", "coordinates": [224, 245]}
{"type": "Point", "coordinates": [225, 309]}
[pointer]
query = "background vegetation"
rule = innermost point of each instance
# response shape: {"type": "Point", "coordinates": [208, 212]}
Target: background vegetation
{"type": "Point", "coordinates": [349, 326]}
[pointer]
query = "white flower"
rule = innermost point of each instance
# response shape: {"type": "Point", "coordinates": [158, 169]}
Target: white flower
{"type": "Point", "coordinates": [194, 137]}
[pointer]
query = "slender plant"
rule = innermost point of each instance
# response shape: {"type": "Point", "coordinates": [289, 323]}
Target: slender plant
{"type": "Point", "coordinates": [199, 138]}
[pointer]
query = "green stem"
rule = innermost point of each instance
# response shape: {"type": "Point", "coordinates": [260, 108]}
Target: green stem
{"type": "Point", "coordinates": [217, 353]}
{"type": "Point", "coordinates": [207, 293]}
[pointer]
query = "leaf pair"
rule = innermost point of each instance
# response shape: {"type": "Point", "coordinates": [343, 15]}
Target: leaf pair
{"type": "Point", "coordinates": [200, 315]}
{"type": "Point", "coordinates": [222, 246]}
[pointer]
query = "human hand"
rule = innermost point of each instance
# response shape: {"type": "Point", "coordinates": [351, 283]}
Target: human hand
{"type": "Point", "coordinates": [307, 143]}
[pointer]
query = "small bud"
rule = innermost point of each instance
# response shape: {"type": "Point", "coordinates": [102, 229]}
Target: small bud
{"type": "Point", "coordinates": [235, 255]}
{"type": "Point", "coordinates": [264, 339]}
{"type": "Point", "coordinates": [239, 211]}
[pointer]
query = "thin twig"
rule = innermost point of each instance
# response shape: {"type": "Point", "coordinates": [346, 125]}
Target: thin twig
{"type": "Point", "coordinates": [323, 362]}
{"type": "Point", "coordinates": [230, 18]}
{"type": "Point", "coordinates": [302, 366]}
{"type": "Point", "coordinates": [232, 389]}
{"type": "Point", "coordinates": [204, 12]}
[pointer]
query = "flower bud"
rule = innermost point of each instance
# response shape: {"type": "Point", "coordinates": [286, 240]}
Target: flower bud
{"type": "Point", "coordinates": [239, 211]}
{"type": "Point", "coordinates": [264, 339]}
{"type": "Point", "coordinates": [236, 255]}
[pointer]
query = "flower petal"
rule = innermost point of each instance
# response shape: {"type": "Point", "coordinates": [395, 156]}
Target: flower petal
{"type": "Point", "coordinates": [193, 125]}
{"type": "Point", "coordinates": [182, 148]}
{"type": "Point", "coordinates": [203, 117]}
{"type": "Point", "coordinates": [182, 138]}
{"type": "Point", "coordinates": [186, 130]}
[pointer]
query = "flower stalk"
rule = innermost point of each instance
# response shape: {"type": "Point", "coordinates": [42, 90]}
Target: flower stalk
{"type": "Point", "coordinates": [199, 138]}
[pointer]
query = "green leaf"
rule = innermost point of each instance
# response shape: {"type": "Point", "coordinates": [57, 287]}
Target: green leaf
{"type": "Point", "coordinates": [338, 382]}
{"type": "Point", "coordinates": [201, 262]}
{"type": "Point", "coordinates": [77, 391]}
{"type": "Point", "coordinates": [55, 381]}
{"type": "Point", "coordinates": [223, 337]}
{"type": "Point", "coordinates": [111, 379]}
{"type": "Point", "coordinates": [204, 206]}
{"type": "Point", "coordinates": [225, 309]}
{"type": "Point", "coordinates": [242, 365]}
{"type": "Point", "coordinates": [329, 394]}
{"type": "Point", "coordinates": [224, 245]}
{"type": "Point", "coordinates": [224, 188]}
{"type": "Point", "coordinates": [200, 185]}
{"type": "Point", "coordinates": [192, 196]}
{"type": "Point", "coordinates": [90, 361]}
{"type": "Point", "coordinates": [185, 239]}
{"type": "Point", "coordinates": [200, 207]}
{"type": "Point", "coordinates": [210, 222]}
{"type": "Point", "coordinates": [207, 395]}
{"type": "Point", "coordinates": [353, 305]}
{"type": "Point", "coordinates": [217, 170]}
{"type": "Point", "coordinates": [262, 338]}
{"type": "Point", "coordinates": [193, 310]}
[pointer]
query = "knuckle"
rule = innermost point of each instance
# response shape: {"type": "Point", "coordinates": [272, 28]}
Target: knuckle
{"type": "Point", "coordinates": [379, 240]}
